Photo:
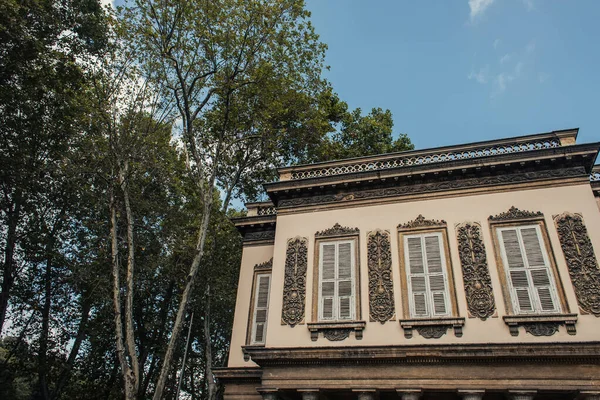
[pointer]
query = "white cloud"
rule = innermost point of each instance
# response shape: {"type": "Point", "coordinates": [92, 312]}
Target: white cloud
{"type": "Point", "coordinates": [478, 7]}
{"type": "Point", "coordinates": [543, 77]}
{"type": "Point", "coordinates": [503, 79]}
{"type": "Point", "coordinates": [530, 47]}
{"type": "Point", "coordinates": [529, 5]}
{"type": "Point", "coordinates": [505, 58]}
{"type": "Point", "coordinates": [497, 43]}
{"type": "Point", "coordinates": [108, 3]}
{"type": "Point", "coordinates": [481, 76]}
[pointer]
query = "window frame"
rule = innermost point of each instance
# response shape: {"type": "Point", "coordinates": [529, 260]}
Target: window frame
{"type": "Point", "coordinates": [549, 257]}
{"type": "Point", "coordinates": [317, 272]}
{"type": "Point", "coordinates": [407, 304]}
{"type": "Point", "coordinates": [259, 270]}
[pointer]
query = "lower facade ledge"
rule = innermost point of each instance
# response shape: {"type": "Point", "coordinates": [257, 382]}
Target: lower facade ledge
{"type": "Point", "coordinates": [541, 325]}
{"type": "Point", "coordinates": [336, 331]}
{"type": "Point", "coordinates": [237, 374]}
{"type": "Point", "coordinates": [432, 328]}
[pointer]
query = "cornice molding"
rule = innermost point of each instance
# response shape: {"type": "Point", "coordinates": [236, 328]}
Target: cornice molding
{"type": "Point", "coordinates": [395, 190]}
{"type": "Point", "coordinates": [491, 353]}
{"type": "Point", "coordinates": [337, 230]}
{"type": "Point", "coordinates": [514, 213]}
{"type": "Point", "coordinates": [421, 222]}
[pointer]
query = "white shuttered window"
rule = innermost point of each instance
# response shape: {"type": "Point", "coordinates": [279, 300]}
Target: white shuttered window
{"type": "Point", "coordinates": [336, 281]}
{"type": "Point", "coordinates": [426, 275]}
{"type": "Point", "coordinates": [528, 272]}
{"type": "Point", "coordinates": [261, 308]}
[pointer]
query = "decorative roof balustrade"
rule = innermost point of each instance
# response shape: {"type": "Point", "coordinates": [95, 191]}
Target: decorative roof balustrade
{"type": "Point", "coordinates": [269, 210]}
{"type": "Point", "coordinates": [318, 171]}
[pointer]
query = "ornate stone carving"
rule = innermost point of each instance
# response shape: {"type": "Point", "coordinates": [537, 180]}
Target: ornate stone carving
{"type": "Point", "coordinates": [335, 331]}
{"type": "Point", "coordinates": [541, 329]}
{"type": "Point", "coordinates": [425, 158]}
{"type": "Point", "coordinates": [294, 285]}
{"type": "Point", "coordinates": [581, 261]}
{"type": "Point", "coordinates": [381, 289]}
{"type": "Point", "coordinates": [476, 276]}
{"type": "Point", "coordinates": [514, 213]}
{"type": "Point", "coordinates": [337, 230]}
{"type": "Point", "coordinates": [335, 335]}
{"type": "Point", "coordinates": [432, 328]}
{"type": "Point", "coordinates": [421, 222]}
{"type": "Point", "coordinates": [439, 186]}
{"type": "Point", "coordinates": [541, 325]}
{"type": "Point", "coordinates": [432, 332]}
{"type": "Point", "coordinates": [264, 266]}
{"type": "Point", "coordinates": [260, 235]}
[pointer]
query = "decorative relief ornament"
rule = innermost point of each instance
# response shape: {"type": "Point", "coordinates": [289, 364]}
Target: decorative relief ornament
{"type": "Point", "coordinates": [421, 222]}
{"type": "Point", "coordinates": [581, 261]}
{"type": "Point", "coordinates": [476, 276]}
{"type": "Point", "coordinates": [337, 230]}
{"type": "Point", "coordinates": [260, 235]}
{"type": "Point", "coordinates": [432, 332]}
{"type": "Point", "coordinates": [381, 289]}
{"type": "Point", "coordinates": [335, 335]}
{"type": "Point", "coordinates": [541, 329]}
{"type": "Point", "coordinates": [445, 185]}
{"type": "Point", "coordinates": [294, 284]}
{"type": "Point", "coordinates": [514, 213]}
{"type": "Point", "coordinates": [264, 266]}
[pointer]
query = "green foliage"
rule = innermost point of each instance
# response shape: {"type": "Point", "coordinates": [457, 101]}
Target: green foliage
{"type": "Point", "coordinates": [78, 104]}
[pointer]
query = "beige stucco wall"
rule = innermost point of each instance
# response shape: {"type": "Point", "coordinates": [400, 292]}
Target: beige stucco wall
{"type": "Point", "coordinates": [251, 255]}
{"type": "Point", "coordinates": [454, 210]}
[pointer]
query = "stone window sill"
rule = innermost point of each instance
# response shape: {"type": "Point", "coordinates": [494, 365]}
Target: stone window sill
{"type": "Point", "coordinates": [541, 325]}
{"type": "Point", "coordinates": [432, 328]}
{"type": "Point", "coordinates": [336, 331]}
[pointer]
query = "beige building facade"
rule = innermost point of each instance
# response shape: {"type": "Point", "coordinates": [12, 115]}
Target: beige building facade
{"type": "Point", "coordinates": [464, 272]}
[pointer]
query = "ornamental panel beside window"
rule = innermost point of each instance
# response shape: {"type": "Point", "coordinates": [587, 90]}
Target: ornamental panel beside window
{"type": "Point", "coordinates": [528, 271]}
{"type": "Point", "coordinates": [426, 275]}
{"type": "Point", "coordinates": [260, 308]}
{"type": "Point", "coordinates": [336, 281]}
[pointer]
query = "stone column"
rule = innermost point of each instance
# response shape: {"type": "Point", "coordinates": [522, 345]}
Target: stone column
{"type": "Point", "coordinates": [521, 394]}
{"type": "Point", "coordinates": [268, 393]}
{"type": "Point", "coordinates": [309, 394]}
{"type": "Point", "coordinates": [471, 394]}
{"type": "Point", "coordinates": [589, 395]}
{"type": "Point", "coordinates": [409, 394]}
{"type": "Point", "coordinates": [364, 394]}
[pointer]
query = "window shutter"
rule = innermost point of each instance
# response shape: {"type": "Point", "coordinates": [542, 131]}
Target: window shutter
{"type": "Point", "coordinates": [520, 284]}
{"type": "Point", "coordinates": [327, 280]}
{"type": "Point", "coordinates": [512, 249]}
{"type": "Point", "coordinates": [336, 281]}
{"type": "Point", "coordinates": [437, 278]}
{"type": "Point", "coordinates": [345, 297]}
{"type": "Point", "coordinates": [532, 287]}
{"type": "Point", "coordinates": [416, 276]}
{"type": "Point", "coordinates": [427, 278]}
{"type": "Point", "coordinates": [261, 308]}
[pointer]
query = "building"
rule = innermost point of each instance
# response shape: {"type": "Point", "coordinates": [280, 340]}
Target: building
{"type": "Point", "coordinates": [462, 272]}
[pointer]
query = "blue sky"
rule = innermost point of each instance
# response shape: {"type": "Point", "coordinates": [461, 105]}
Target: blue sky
{"type": "Point", "coordinates": [459, 71]}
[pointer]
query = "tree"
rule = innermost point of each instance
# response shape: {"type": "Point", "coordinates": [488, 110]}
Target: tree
{"type": "Point", "coordinates": [204, 53]}
{"type": "Point", "coordinates": [41, 44]}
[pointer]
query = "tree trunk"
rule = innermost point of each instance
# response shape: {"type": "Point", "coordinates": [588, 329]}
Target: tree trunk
{"type": "Point", "coordinates": [191, 278]}
{"type": "Point", "coordinates": [129, 331]}
{"type": "Point", "coordinates": [127, 373]}
{"type": "Point", "coordinates": [65, 374]}
{"type": "Point", "coordinates": [9, 262]}
{"type": "Point", "coordinates": [43, 351]}
{"type": "Point", "coordinates": [210, 381]}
